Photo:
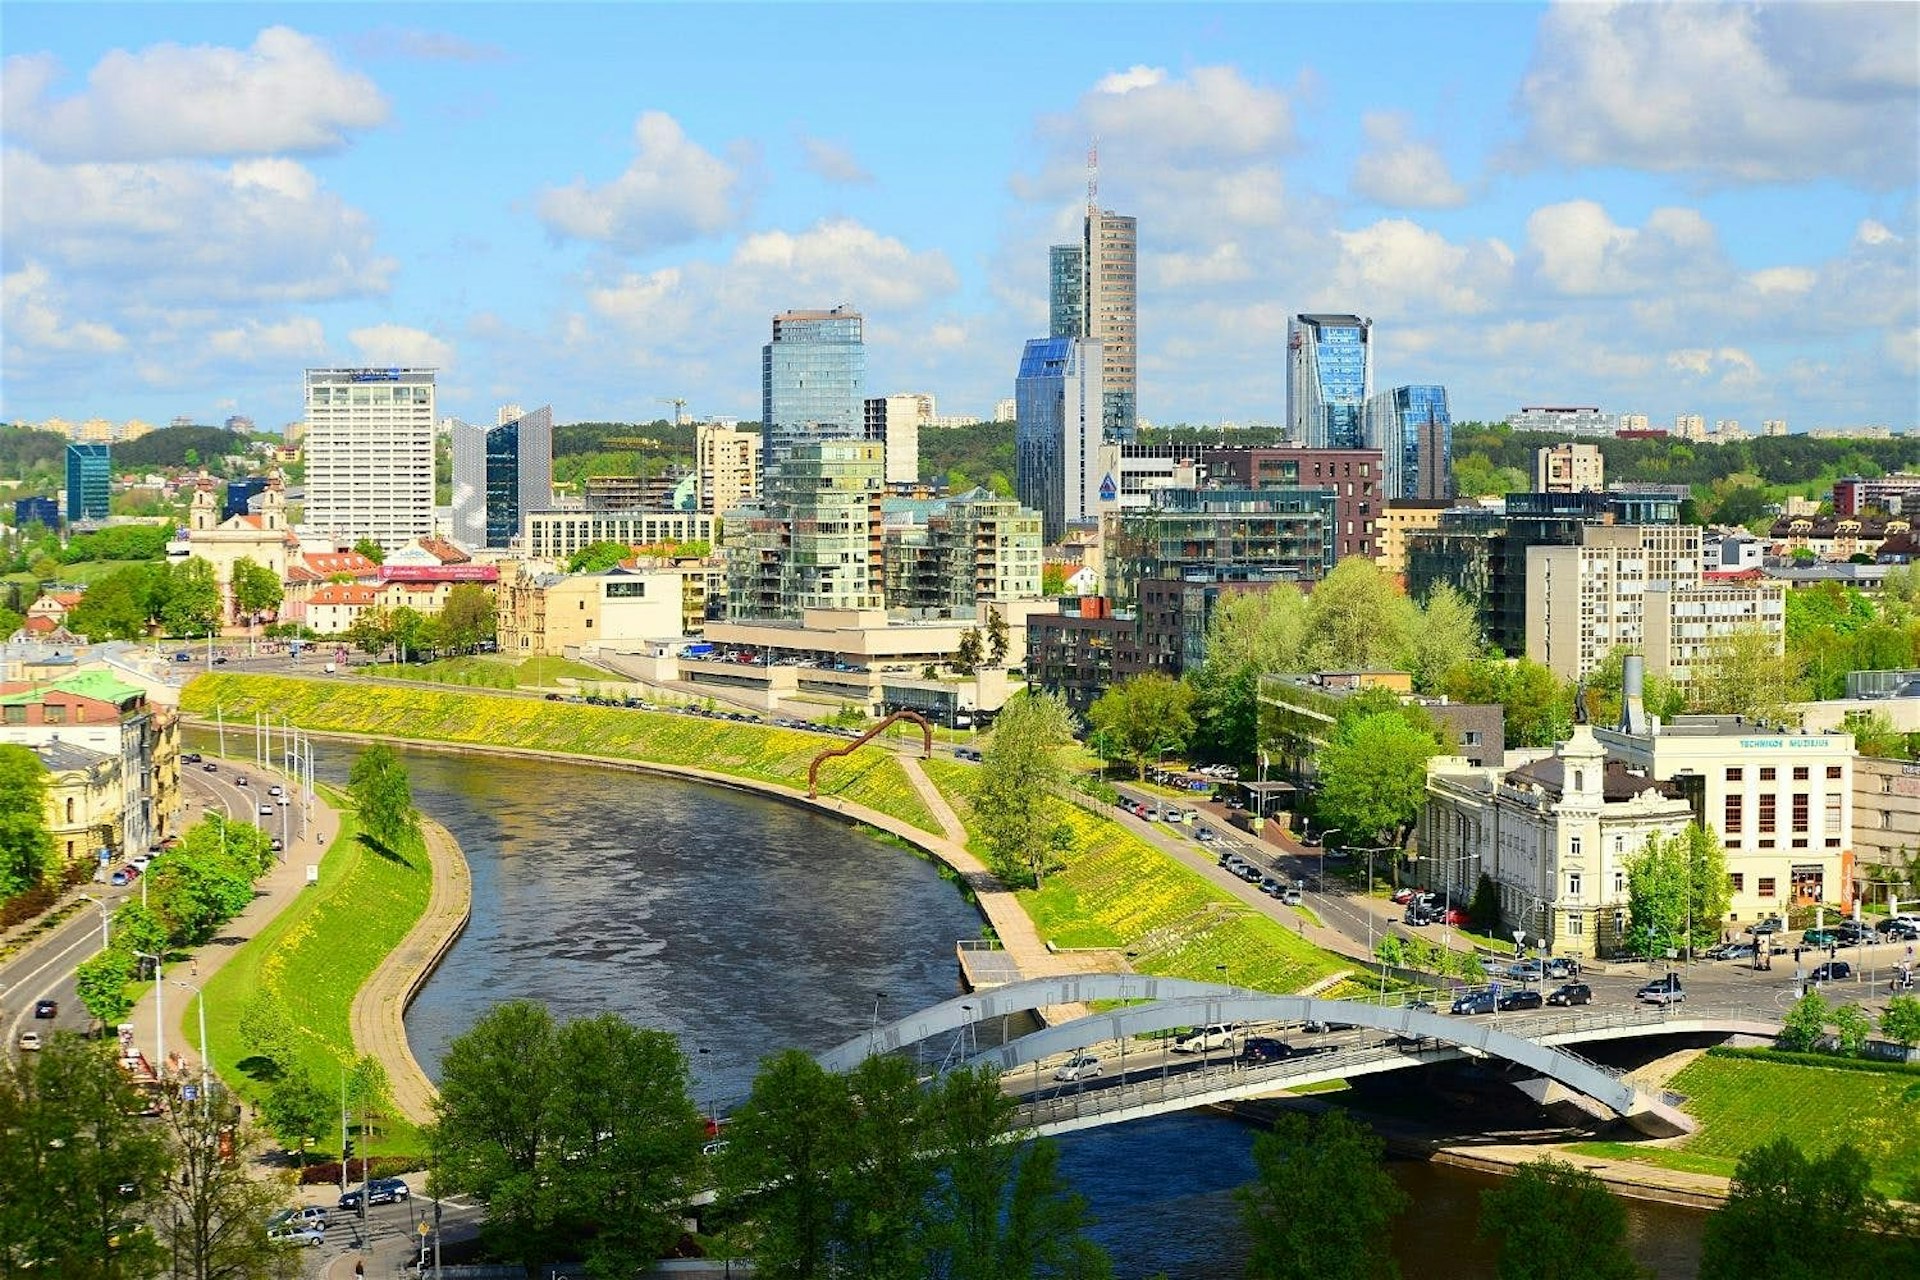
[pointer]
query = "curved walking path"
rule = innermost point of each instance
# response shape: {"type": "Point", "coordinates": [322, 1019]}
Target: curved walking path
{"type": "Point", "coordinates": [377, 1020]}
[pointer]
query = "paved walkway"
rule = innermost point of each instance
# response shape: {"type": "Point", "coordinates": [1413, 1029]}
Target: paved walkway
{"type": "Point", "coordinates": [377, 1019]}
{"type": "Point", "coordinates": [1628, 1178]}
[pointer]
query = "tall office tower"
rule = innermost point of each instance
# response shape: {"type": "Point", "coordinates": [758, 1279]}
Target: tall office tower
{"type": "Point", "coordinates": [727, 463]}
{"type": "Point", "coordinates": [369, 452]}
{"type": "Point", "coordinates": [499, 475]}
{"type": "Point", "coordinates": [895, 422]}
{"type": "Point", "coordinates": [1413, 431]}
{"type": "Point", "coordinates": [89, 468]}
{"type": "Point", "coordinates": [1093, 292]}
{"type": "Point", "coordinates": [812, 378]}
{"type": "Point", "coordinates": [1329, 379]}
{"type": "Point", "coordinates": [1057, 431]}
{"type": "Point", "coordinates": [1066, 291]}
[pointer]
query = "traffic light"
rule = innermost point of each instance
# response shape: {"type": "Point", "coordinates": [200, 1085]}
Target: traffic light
{"type": "Point", "coordinates": [346, 1152]}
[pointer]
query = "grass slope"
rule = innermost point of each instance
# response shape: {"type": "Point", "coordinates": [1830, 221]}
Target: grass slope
{"type": "Point", "coordinates": [314, 957]}
{"type": "Point", "coordinates": [492, 672]}
{"type": "Point", "coordinates": [1118, 891]}
{"type": "Point", "coordinates": [871, 777]}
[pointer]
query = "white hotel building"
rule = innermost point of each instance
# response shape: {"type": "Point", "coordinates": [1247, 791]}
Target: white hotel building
{"type": "Point", "coordinates": [369, 454]}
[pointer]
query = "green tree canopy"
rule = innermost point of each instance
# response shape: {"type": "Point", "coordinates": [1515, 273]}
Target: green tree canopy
{"type": "Point", "coordinates": [256, 588]}
{"type": "Point", "coordinates": [1358, 619]}
{"type": "Point", "coordinates": [1144, 715]}
{"type": "Point", "coordinates": [384, 798]}
{"type": "Point", "coordinates": [468, 617]}
{"type": "Point", "coordinates": [1445, 637]}
{"type": "Point", "coordinates": [193, 600]}
{"type": "Point", "coordinates": [1746, 674]}
{"type": "Point", "coordinates": [371, 550]}
{"type": "Point", "coordinates": [1322, 1204]}
{"type": "Point", "coordinates": [1678, 892]}
{"type": "Point", "coordinates": [598, 557]}
{"type": "Point", "coordinates": [1251, 633]}
{"type": "Point", "coordinates": [117, 606]}
{"type": "Point", "coordinates": [1556, 1222]}
{"type": "Point", "coordinates": [1015, 791]}
{"type": "Point", "coordinates": [26, 850]}
{"type": "Point", "coordinates": [1539, 710]}
{"type": "Point", "coordinates": [1373, 777]}
{"type": "Point", "coordinates": [1790, 1214]}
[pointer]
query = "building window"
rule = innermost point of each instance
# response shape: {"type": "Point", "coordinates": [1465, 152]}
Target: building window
{"type": "Point", "coordinates": [1768, 774]}
{"type": "Point", "coordinates": [1767, 814]}
{"type": "Point", "coordinates": [1619, 882]}
{"type": "Point", "coordinates": [1470, 738]}
{"type": "Point", "coordinates": [1833, 773]}
{"type": "Point", "coordinates": [1573, 884]}
{"type": "Point", "coordinates": [1800, 810]}
{"type": "Point", "coordinates": [1832, 821]}
{"type": "Point", "coordinates": [1799, 773]}
{"type": "Point", "coordinates": [1734, 775]}
{"type": "Point", "coordinates": [1573, 843]}
{"type": "Point", "coordinates": [1739, 881]}
{"type": "Point", "coordinates": [1733, 814]}
{"type": "Point", "coordinates": [1766, 887]}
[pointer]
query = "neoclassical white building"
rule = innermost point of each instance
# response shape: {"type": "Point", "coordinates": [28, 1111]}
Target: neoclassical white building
{"type": "Point", "coordinates": [1555, 830]}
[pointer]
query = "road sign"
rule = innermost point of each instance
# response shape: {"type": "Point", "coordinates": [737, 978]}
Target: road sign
{"type": "Point", "coordinates": [189, 1092]}
{"type": "Point", "coordinates": [422, 1228]}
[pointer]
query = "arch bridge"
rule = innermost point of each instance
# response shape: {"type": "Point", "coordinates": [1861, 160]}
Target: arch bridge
{"type": "Point", "coordinates": [1374, 1037]}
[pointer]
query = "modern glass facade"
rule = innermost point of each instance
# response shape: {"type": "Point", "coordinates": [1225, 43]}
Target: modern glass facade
{"type": "Point", "coordinates": [240, 493]}
{"type": "Point", "coordinates": [89, 470]}
{"type": "Point", "coordinates": [1066, 291]}
{"type": "Point", "coordinates": [1329, 380]}
{"type": "Point", "coordinates": [817, 542]}
{"type": "Point", "coordinates": [1057, 432]}
{"type": "Point", "coordinates": [500, 474]}
{"type": "Point", "coordinates": [812, 381]}
{"type": "Point", "coordinates": [41, 511]}
{"type": "Point", "coordinates": [1414, 433]}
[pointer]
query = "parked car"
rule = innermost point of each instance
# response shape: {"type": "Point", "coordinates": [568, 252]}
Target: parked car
{"type": "Point", "coordinates": [1293, 897]}
{"type": "Point", "coordinates": [1417, 916]}
{"type": "Point", "coordinates": [1900, 930]}
{"type": "Point", "coordinates": [1271, 887]}
{"type": "Point", "coordinates": [1527, 999]}
{"type": "Point", "coordinates": [379, 1191]}
{"type": "Point", "coordinates": [46, 1008]}
{"type": "Point", "coordinates": [1526, 970]}
{"type": "Point", "coordinates": [1475, 1002]}
{"type": "Point", "coordinates": [1081, 1066]}
{"type": "Point", "coordinates": [1251, 874]}
{"type": "Point", "coordinates": [119, 877]}
{"type": "Point", "coordinates": [1570, 994]}
{"type": "Point", "coordinates": [1735, 951]}
{"type": "Point", "coordinates": [1820, 938]}
{"type": "Point", "coordinates": [1215, 1035]}
{"type": "Point", "coordinates": [1265, 1049]}
{"type": "Point", "coordinates": [1665, 989]}
{"type": "Point", "coordinates": [1403, 895]}
{"type": "Point", "coordinates": [1832, 971]}
{"type": "Point", "coordinates": [1455, 916]}
{"type": "Point", "coordinates": [1760, 928]}
{"type": "Point", "coordinates": [191, 757]}
{"type": "Point", "coordinates": [1561, 968]}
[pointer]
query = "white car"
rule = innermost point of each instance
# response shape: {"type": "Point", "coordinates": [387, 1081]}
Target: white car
{"type": "Point", "coordinates": [298, 1233]}
{"type": "Point", "coordinates": [29, 1039]}
{"type": "Point", "coordinates": [1081, 1066]}
{"type": "Point", "coordinates": [1215, 1035]}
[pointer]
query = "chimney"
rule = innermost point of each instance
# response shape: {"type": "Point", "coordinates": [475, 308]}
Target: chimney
{"type": "Point", "coordinates": [1633, 678]}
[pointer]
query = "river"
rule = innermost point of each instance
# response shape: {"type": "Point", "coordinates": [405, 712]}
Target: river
{"type": "Point", "coordinates": [746, 925]}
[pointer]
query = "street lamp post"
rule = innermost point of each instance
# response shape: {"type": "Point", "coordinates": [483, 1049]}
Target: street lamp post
{"type": "Point", "coordinates": [159, 1015]}
{"type": "Point", "coordinates": [1325, 836]}
{"type": "Point", "coordinates": [200, 999]}
{"type": "Point", "coordinates": [106, 920]}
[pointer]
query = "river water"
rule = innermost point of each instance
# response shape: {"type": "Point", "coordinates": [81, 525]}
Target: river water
{"type": "Point", "coordinates": [745, 925]}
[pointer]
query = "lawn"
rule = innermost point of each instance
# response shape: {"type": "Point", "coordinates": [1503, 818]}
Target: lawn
{"type": "Point", "coordinates": [872, 777]}
{"type": "Point", "coordinates": [1118, 891]}
{"type": "Point", "coordinates": [493, 672]}
{"type": "Point", "coordinates": [314, 957]}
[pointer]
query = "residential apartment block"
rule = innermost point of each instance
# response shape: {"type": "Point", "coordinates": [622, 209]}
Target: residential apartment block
{"type": "Point", "coordinates": [1566, 420]}
{"type": "Point", "coordinates": [945, 556]}
{"type": "Point", "coordinates": [544, 612]}
{"type": "Point", "coordinates": [728, 464]}
{"type": "Point", "coordinates": [369, 453]}
{"type": "Point", "coordinates": [1569, 468]}
{"type": "Point", "coordinates": [556, 535]}
{"type": "Point", "coordinates": [815, 542]}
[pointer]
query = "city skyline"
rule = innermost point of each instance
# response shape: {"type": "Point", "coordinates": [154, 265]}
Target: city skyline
{"type": "Point", "coordinates": [1655, 209]}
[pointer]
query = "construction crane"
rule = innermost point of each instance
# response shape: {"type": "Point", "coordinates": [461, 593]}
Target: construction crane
{"type": "Point", "coordinates": [679, 409]}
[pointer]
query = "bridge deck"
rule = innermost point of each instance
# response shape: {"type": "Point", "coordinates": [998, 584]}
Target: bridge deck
{"type": "Point", "coordinates": [983, 967]}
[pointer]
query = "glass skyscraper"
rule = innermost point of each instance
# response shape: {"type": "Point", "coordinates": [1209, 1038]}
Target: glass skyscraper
{"type": "Point", "coordinates": [1413, 431]}
{"type": "Point", "coordinates": [89, 469]}
{"type": "Point", "coordinates": [499, 475]}
{"type": "Point", "coordinates": [1057, 432]}
{"type": "Point", "coordinates": [1093, 292]}
{"type": "Point", "coordinates": [812, 382]}
{"type": "Point", "coordinates": [1329, 380]}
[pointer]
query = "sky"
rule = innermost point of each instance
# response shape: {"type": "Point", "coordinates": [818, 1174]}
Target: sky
{"type": "Point", "coordinates": [1651, 208]}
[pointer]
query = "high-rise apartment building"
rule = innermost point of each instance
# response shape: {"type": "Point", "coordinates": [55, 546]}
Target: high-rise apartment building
{"type": "Point", "coordinates": [1773, 427]}
{"type": "Point", "coordinates": [1057, 431]}
{"type": "Point", "coordinates": [1413, 431]}
{"type": "Point", "coordinates": [498, 474]}
{"type": "Point", "coordinates": [369, 453]}
{"type": "Point", "coordinates": [812, 381]}
{"type": "Point", "coordinates": [1329, 380]}
{"type": "Point", "coordinates": [1093, 292]}
{"type": "Point", "coordinates": [728, 464]}
{"type": "Point", "coordinates": [947, 556]}
{"type": "Point", "coordinates": [895, 422]}
{"type": "Point", "coordinates": [816, 543]}
{"type": "Point", "coordinates": [1569, 468]}
{"type": "Point", "coordinates": [1690, 426]}
{"type": "Point", "coordinates": [89, 475]}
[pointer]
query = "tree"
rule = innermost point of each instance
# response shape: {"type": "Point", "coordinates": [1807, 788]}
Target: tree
{"type": "Point", "coordinates": [1483, 913]}
{"type": "Point", "coordinates": [468, 617]}
{"type": "Point", "coordinates": [1556, 1222]}
{"type": "Point", "coordinates": [1900, 1022]}
{"type": "Point", "coordinates": [970, 653]}
{"type": "Point", "coordinates": [1144, 715]}
{"type": "Point", "coordinates": [369, 1091]}
{"type": "Point", "coordinates": [1373, 777]}
{"type": "Point", "coordinates": [1447, 636]}
{"type": "Point", "coordinates": [371, 631]}
{"type": "Point", "coordinates": [114, 607]}
{"type": "Point", "coordinates": [1677, 892]}
{"type": "Point", "coordinates": [1322, 1203]}
{"type": "Point", "coordinates": [73, 1138]}
{"type": "Point", "coordinates": [101, 983]}
{"type": "Point", "coordinates": [1358, 619]}
{"type": "Point", "coordinates": [256, 588]}
{"type": "Point", "coordinates": [215, 1207]}
{"type": "Point", "coordinates": [1539, 713]}
{"type": "Point", "coordinates": [598, 557]}
{"type": "Point", "coordinates": [371, 550]}
{"type": "Point", "coordinates": [1746, 674]}
{"type": "Point", "coordinates": [384, 799]}
{"type": "Point", "coordinates": [1053, 580]}
{"type": "Point", "coordinates": [1251, 633]}
{"type": "Point", "coordinates": [1015, 788]}
{"type": "Point", "coordinates": [1788, 1214]}
{"type": "Point", "coordinates": [998, 637]}
{"type": "Point", "coordinates": [267, 1031]}
{"type": "Point", "coordinates": [193, 600]}
{"type": "Point", "coordinates": [785, 1150]}
{"type": "Point", "coordinates": [297, 1109]}
{"type": "Point", "coordinates": [1851, 1028]}
{"type": "Point", "coordinates": [408, 628]}
{"type": "Point", "coordinates": [26, 850]}
{"type": "Point", "coordinates": [1805, 1023]}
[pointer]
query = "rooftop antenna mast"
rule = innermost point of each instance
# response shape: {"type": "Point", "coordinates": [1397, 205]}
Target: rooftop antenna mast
{"type": "Point", "coordinates": [1093, 176]}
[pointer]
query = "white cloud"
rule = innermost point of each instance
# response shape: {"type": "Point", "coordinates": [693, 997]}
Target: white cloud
{"type": "Point", "coordinates": [270, 342]}
{"type": "Point", "coordinates": [1873, 233]}
{"type": "Point", "coordinates": [34, 323]}
{"type": "Point", "coordinates": [1902, 349]}
{"type": "Point", "coordinates": [674, 191]}
{"type": "Point", "coordinates": [832, 161]}
{"type": "Point", "coordinates": [398, 344]}
{"type": "Point", "coordinates": [1579, 249]}
{"type": "Point", "coordinates": [1783, 280]}
{"type": "Point", "coordinates": [167, 101]}
{"type": "Point", "coordinates": [1400, 171]}
{"type": "Point", "coordinates": [1398, 268]}
{"type": "Point", "coordinates": [258, 230]}
{"type": "Point", "coordinates": [1729, 93]}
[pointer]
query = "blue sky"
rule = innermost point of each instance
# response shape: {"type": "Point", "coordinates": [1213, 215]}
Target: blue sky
{"type": "Point", "coordinates": [1657, 209]}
